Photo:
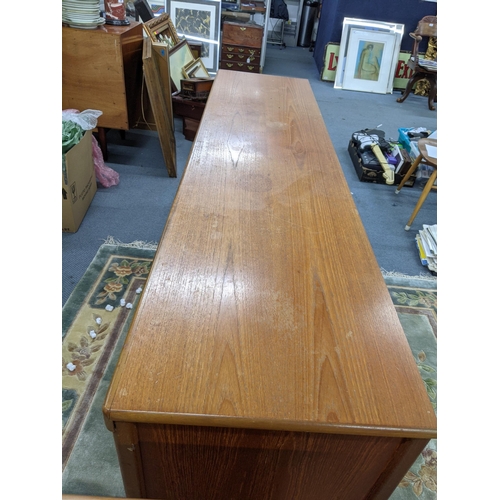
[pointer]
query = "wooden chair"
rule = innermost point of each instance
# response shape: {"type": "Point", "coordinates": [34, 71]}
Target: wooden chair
{"type": "Point", "coordinates": [425, 159]}
{"type": "Point", "coordinates": [423, 68]}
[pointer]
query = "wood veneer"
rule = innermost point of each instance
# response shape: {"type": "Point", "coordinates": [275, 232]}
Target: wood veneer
{"type": "Point", "coordinates": [265, 357]}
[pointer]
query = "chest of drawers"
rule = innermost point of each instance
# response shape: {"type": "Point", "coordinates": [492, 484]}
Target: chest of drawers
{"type": "Point", "coordinates": [241, 47]}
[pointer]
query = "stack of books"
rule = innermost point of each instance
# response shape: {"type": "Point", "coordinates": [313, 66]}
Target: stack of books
{"type": "Point", "coordinates": [427, 246]}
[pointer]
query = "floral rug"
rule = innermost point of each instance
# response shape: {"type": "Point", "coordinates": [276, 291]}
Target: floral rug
{"type": "Point", "coordinates": [95, 320]}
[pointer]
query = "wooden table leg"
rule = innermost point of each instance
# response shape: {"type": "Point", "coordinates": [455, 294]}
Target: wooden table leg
{"type": "Point", "coordinates": [101, 137]}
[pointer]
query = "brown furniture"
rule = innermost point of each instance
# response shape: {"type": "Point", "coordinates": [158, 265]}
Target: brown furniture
{"type": "Point", "coordinates": [425, 159]}
{"type": "Point", "coordinates": [265, 358]}
{"type": "Point", "coordinates": [191, 112]}
{"type": "Point", "coordinates": [102, 69]}
{"type": "Point", "coordinates": [422, 68]}
{"type": "Point", "coordinates": [241, 46]}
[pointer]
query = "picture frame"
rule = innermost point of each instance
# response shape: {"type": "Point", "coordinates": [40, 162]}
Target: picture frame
{"type": "Point", "coordinates": [179, 57]}
{"type": "Point", "coordinates": [161, 30]}
{"type": "Point", "coordinates": [369, 61]}
{"type": "Point", "coordinates": [349, 51]}
{"type": "Point", "coordinates": [195, 69]}
{"type": "Point", "coordinates": [199, 20]}
{"type": "Point", "coordinates": [155, 60]}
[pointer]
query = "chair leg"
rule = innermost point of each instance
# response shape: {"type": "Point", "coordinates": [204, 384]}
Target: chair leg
{"type": "Point", "coordinates": [409, 86]}
{"type": "Point", "coordinates": [432, 92]}
{"type": "Point", "coordinates": [412, 169]}
{"type": "Point", "coordinates": [422, 198]}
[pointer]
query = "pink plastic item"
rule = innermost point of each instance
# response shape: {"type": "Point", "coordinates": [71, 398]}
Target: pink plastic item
{"type": "Point", "coordinates": [87, 119]}
{"type": "Point", "coordinates": [104, 175]}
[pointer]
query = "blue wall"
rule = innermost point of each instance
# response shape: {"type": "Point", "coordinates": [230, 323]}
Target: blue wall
{"type": "Point", "coordinates": [407, 12]}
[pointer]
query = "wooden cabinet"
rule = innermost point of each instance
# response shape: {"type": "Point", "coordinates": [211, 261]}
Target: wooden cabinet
{"type": "Point", "coordinates": [265, 359]}
{"type": "Point", "coordinates": [241, 47]}
{"type": "Point", "coordinates": [102, 69]}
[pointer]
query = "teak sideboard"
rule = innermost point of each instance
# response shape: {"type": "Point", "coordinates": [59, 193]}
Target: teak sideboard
{"type": "Point", "coordinates": [265, 359]}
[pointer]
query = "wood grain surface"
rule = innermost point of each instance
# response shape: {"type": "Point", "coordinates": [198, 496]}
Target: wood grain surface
{"type": "Point", "coordinates": [265, 307]}
{"type": "Point", "coordinates": [102, 69]}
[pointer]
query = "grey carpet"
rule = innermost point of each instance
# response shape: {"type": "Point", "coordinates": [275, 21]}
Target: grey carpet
{"type": "Point", "coordinates": [137, 208]}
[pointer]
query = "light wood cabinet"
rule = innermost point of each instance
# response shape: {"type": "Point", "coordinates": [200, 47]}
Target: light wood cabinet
{"type": "Point", "coordinates": [102, 69]}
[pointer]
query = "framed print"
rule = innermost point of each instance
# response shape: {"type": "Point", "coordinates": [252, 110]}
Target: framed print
{"type": "Point", "coordinates": [179, 56]}
{"type": "Point", "coordinates": [369, 61]}
{"type": "Point", "coordinates": [199, 21]}
{"type": "Point", "coordinates": [161, 29]}
{"type": "Point", "coordinates": [348, 54]}
{"type": "Point", "coordinates": [196, 69]}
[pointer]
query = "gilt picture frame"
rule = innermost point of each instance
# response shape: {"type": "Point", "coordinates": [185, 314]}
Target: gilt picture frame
{"type": "Point", "coordinates": [199, 21]}
{"type": "Point", "coordinates": [161, 30]}
{"type": "Point", "coordinates": [195, 69]}
{"type": "Point", "coordinates": [179, 57]}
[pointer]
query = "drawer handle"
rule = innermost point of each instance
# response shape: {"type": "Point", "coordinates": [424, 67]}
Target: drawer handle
{"type": "Point", "coordinates": [230, 49]}
{"type": "Point", "coordinates": [252, 52]}
{"type": "Point", "coordinates": [240, 65]}
{"type": "Point", "coordinates": [230, 56]}
{"type": "Point", "coordinates": [242, 28]}
{"type": "Point", "coordinates": [229, 65]}
{"type": "Point", "coordinates": [241, 50]}
{"type": "Point", "coordinates": [251, 67]}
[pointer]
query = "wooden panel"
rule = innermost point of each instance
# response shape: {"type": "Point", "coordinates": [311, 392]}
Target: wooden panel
{"type": "Point", "coordinates": [240, 58]}
{"type": "Point", "coordinates": [242, 34]}
{"type": "Point", "coordinates": [240, 49]}
{"type": "Point", "coordinates": [157, 76]}
{"type": "Point", "coordinates": [239, 66]}
{"type": "Point", "coordinates": [188, 107]}
{"type": "Point", "coordinates": [249, 464]}
{"type": "Point", "coordinates": [101, 69]}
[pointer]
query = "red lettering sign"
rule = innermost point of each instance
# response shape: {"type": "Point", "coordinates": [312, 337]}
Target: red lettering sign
{"type": "Point", "coordinates": [333, 60]}
{"type": "Point", "coordinates": [403, 70]}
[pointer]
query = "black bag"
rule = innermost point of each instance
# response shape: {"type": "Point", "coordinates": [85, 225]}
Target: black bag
{"type": "Point", "coordinates": [279, 10]}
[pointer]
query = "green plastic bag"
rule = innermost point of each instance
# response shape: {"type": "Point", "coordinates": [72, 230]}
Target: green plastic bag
{"type": "Point", "coordinates": [71, 135]}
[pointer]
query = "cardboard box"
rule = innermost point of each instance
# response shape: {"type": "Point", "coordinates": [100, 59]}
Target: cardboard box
{"type": "Point", "coordinates": [78, 185]}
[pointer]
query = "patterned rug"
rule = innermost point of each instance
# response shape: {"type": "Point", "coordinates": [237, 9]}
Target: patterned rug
{"type": "Point", "coordinates": [95, 320]}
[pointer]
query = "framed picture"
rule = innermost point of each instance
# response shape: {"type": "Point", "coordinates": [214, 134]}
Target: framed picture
{"type": "Point", "coordinates": [369, 61]}
{"type": "Point", "coordinates": [179, 57]}
{"type": "Point", "coordinates": [199, 21]}
{"type": "Point", "coordinates": [381, 40]}
{"type": "Point", "coordinates": [161, 29]}
{"type": "Point", "coordinates": [196, 69]}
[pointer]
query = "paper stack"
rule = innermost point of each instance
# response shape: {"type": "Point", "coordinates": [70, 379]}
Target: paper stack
{"type": "Point", "coordinates": [427, 246]}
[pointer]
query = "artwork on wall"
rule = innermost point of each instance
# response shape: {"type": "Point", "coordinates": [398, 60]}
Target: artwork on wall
{"type": "Point", "coordinates": [368, 55]}
{"type": "Point", "coordinates": [199, 21]}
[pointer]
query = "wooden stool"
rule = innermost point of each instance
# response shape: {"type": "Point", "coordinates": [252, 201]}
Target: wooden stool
{"type": "Point", "coordinates": [425, 159]}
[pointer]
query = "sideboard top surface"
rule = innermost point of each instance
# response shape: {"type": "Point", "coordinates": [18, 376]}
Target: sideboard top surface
{"type": "Point", "coordinates": [265, 306]}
